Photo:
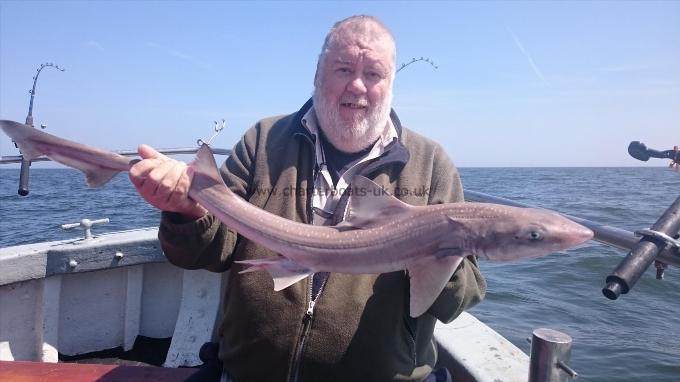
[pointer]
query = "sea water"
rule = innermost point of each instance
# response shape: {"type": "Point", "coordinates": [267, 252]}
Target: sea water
{"type": "Point", "coordinates": [634, 338]}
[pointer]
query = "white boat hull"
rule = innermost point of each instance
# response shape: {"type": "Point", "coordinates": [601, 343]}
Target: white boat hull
{"type": "Point", "coordinates": [75, 297]}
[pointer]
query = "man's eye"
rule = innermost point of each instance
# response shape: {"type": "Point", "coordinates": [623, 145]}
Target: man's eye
{"type": "Point", "coordinates": [374, 75]}
{"type": "Point", "coordinates": [343, 70]}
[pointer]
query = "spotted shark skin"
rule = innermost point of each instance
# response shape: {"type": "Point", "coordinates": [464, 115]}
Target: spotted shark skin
{"type": "Point", "coordinates": [381, 234]}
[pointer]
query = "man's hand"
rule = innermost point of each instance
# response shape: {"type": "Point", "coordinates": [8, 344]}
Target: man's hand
{"type": "Point", "coordinates": [164, 183]}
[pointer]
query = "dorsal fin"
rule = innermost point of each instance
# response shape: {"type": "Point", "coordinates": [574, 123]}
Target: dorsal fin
{"type": "Point", "coordinates": [205, 172]}
{"type": "Point", "coordinates": [370, 205]}
{"type": "Point", "coordinates": [204, 162]}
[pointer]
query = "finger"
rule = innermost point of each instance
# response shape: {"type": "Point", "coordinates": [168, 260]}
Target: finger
{"type": "Point", "coordinates": [181, 197]}
{"type": "Point", "coordinates": [139, 171]}
{"type": "Point", "coordinates": [178, 196]}
{"type": "Point", "coordinates": [148, 152]}
{"type": "Point", "coordinates": [144, 166]}
{"type": "Point", "coordinates": [157, 184]}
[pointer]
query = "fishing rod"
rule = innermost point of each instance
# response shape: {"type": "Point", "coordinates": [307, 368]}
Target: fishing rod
{"type": "Point", "coordinates": [9, 159]}
{"type": "Point", "coordinates": [26, 164]}
{"type": "Point", "coordinates": [662, 236]}
{"type": "Point", "coordinates": [23, 180]}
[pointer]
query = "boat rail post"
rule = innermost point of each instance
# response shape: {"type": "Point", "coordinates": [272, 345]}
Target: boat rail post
{"type": "Point", "coordinates": [550, 352]}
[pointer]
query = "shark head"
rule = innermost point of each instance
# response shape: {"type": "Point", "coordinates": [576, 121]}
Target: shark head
{"type": "Point", "coordinates": [530, 232]}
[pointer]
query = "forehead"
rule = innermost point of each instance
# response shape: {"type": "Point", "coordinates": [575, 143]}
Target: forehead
{"type": "Point", "coordinates": [349, 47]}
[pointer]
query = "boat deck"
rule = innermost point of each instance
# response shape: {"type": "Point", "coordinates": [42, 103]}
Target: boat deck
{"type": "Point", "coordinates": [26, 371]}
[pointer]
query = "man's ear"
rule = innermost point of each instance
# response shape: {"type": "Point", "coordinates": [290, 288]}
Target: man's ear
{"type": "Point", "coordinates": [317, 74]}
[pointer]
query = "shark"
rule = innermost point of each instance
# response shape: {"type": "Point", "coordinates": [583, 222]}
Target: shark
{"type": "Point", "coordinates": [380, 233]}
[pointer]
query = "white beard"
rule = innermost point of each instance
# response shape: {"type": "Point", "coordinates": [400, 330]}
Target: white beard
{"type": "Point", "coordinates": [358, 134]}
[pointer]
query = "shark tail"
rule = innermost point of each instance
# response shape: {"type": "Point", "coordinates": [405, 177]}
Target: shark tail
{"type": "Point", "coordinates": [99, 166]}
{"type": "Point", "coordinates": [95, 176]}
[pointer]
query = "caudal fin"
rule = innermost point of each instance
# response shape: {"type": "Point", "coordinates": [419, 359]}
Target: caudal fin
{"type": "Point", "coordinates": [98, 165]}
{"type": "Point", "coordinates": [95, 175]}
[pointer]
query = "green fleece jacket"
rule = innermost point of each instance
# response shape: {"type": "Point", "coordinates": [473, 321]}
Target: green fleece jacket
{"type": "Point", "coordinates": [360, 328]}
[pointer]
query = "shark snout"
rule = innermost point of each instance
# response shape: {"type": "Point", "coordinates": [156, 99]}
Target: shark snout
{"type": "Point", "coordinates": [576, 234]}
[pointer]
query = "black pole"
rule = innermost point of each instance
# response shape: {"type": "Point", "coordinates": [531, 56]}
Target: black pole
{"type": "Point", "coordinates": [628, 272]}
{"type": "Point", "coordinates": [26, 164]}
{"type": "Point", "coordinates": [23, 177]}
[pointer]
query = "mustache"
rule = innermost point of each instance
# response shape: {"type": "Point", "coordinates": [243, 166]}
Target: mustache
{"type": "Point", "coordinates": [357, 100]}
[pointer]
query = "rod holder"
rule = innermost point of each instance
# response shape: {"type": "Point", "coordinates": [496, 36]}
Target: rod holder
{"type": "Point", "coordinates": [644, 253]}
{"type": "Point", "coordinates": [23, 177]}
{"type": "Point", "coordinates": [550, 353]}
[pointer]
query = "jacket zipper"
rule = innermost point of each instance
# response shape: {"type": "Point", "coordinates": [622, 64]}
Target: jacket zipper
{"type": "Point", "coordinates": [415, 355]}
{"type": "Point", "coordinates": [412, 336]}
{"type": "Point", "coordinates": [309, 314]}
{"type": "Point", "coordinates": [306, 324]}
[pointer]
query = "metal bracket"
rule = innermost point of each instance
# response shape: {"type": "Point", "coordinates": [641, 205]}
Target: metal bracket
{"type": "Point", "coordinates": [660, 269]}
{"type": "Point", "coordinates": [669, 241]}
{"type": "Point", "coordinates": [86, 225]}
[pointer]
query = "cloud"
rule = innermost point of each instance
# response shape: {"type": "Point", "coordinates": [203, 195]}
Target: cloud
{"type": "Point", "coordinates": [95, 45]}
{"type": "Point", "coordinates": [526, 54]}
{"type": "Point", "coordinates": [177, 54]}
{"type": "Point", "coordinates": [181, 55]}
{"type": "Point", "coordinates": [630, 67]}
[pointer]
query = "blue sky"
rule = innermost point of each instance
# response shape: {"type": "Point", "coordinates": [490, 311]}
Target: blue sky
{"type": "Point", "coordinates": [518, 83]}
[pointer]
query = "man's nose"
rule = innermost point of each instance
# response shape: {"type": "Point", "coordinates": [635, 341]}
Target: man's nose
{"type": "Point", "coordinates": [356, 86]}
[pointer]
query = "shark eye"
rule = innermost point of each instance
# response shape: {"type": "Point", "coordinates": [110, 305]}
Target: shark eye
{"type": "Point", "coordinates": [534, 236]}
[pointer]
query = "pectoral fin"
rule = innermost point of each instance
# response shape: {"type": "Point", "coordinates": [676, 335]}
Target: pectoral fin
{"type": "Point", "coordinates": [285, 272]}
{"type": "Point", "coordinates": [428, 276]}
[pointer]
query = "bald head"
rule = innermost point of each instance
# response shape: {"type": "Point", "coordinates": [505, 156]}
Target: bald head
{"type": "Point", "coordinates": [353, 83]}
{"type": "Point", "coordinates": [366, 31]}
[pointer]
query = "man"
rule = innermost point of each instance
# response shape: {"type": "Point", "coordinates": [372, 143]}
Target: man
{"type": "Point", "coordinates": [330, 327]}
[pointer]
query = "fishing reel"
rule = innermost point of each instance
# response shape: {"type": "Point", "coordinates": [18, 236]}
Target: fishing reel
{"type": "Point", "coordinates": [661, 239]}
{"type": "Point", "coordinates": [639, 151]}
